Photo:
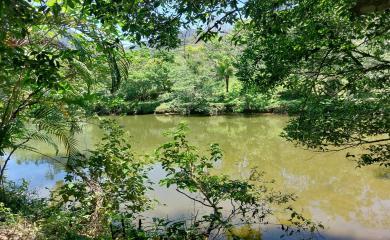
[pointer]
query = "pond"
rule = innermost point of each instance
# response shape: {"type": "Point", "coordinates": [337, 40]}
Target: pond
{"type": "Point", "coordinates": [353, 203]}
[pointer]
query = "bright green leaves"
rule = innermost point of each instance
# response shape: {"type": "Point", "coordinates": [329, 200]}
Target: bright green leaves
{"type": "Point", "coordinates": [149, 76]}
{"type": "Point", "coordinates": [51, 3]}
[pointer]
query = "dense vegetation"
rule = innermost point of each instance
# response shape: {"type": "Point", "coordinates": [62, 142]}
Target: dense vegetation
{"type": "Point", "coordinates": [62, 62]}
{"type": "Point", "coordinates": [192, 79]}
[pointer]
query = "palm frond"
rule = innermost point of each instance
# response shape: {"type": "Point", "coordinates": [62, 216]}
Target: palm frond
{"type": "Point", "coordinates": [41, 137]}
{"type": "Point", "coordinates": [52, 122]}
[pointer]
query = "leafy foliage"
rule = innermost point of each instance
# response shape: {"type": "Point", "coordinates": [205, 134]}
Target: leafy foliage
{"type": "Point", "coordinates": [105, 183]}
{"type": "Point", "coordinates": [229, 201]}
{"type": "Point", "coordinates": [337, 59]}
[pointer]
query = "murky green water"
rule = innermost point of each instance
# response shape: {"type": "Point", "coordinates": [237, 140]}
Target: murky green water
{"type": "Point", "coordinates": [353, 203]}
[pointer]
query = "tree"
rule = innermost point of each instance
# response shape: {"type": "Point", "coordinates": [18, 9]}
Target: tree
{"type": "Point", "coordinates": [224, 70]}
{"type": "Point", "coordinates": [35, 99]}
{"type": "Point", "coordinates": [337, 59]}
{"type": "Point", "coordinates": [149, 75]}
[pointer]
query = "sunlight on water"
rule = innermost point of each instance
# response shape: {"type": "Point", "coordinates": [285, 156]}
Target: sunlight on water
{"type": "Point", "coordinates": [353, 203]}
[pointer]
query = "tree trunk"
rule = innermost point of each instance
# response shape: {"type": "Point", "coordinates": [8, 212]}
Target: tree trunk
{"type": "Point", "coordinates": [227, 83]}
{"type": "Point", "coordinates": [95, 227]}
{"type": "Point", "coordinates": [114, 69]}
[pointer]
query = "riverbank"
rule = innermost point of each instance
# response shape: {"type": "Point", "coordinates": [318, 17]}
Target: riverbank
{"type": "Point", "coordinates": [207, 109]}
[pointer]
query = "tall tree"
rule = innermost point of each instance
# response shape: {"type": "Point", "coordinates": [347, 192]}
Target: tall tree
{"type": "Point", "coordinates": [337, 58]}
{"type": "Point", "coordinates": [224, 70]}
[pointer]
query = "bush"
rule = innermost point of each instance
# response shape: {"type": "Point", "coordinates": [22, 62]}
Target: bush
{"type": "Point", "coordinates": [164, 108]}
{"type": "Point", "coordinates": [19, 200]}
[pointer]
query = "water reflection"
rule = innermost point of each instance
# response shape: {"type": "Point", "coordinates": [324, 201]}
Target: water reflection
{"type": "Point", "coordinates": [42, 174]}
{"type": "Point", "coordinates": [354, 203]}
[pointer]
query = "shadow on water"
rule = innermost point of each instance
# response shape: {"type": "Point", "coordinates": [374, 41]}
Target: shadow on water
{"type": "Point", "coordinates": [354, 203]}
